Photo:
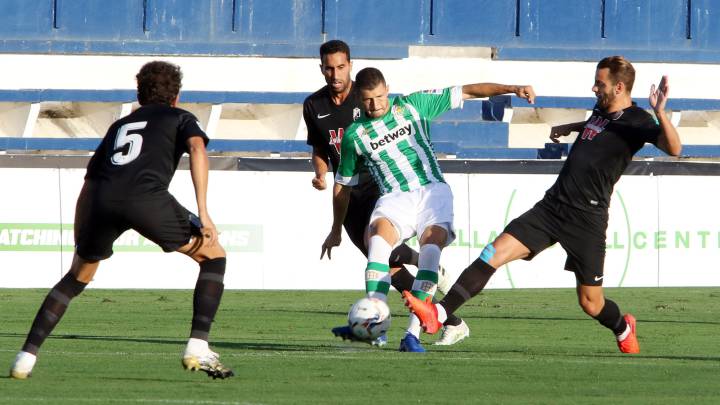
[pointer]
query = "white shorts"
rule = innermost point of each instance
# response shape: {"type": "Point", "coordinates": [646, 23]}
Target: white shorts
{"type": "Point", "coordinates": [411, 212]}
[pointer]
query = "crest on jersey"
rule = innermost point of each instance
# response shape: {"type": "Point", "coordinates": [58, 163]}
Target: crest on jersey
{"type": "Point", "coordinates": [398, 110]}
{"type": "Point", "coordinates": [356, 113]}
{"type": "Point", "coordinates": [594, 126]}
{"type": "Point", "coordinates": [336, 138]}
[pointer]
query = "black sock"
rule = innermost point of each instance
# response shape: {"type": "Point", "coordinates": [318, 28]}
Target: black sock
{"type": "Point", "coordinates": [452, 320]}
{"type": "Point", "coordinates": [402, 279]}
{"type": "Point", "coordinates": [51, 311]}
{"type": "Point", "coordinates": [206, 298]}
{"type": "Point", "coordinates": [403, 254]}
{"type": "Point", "coordinates": [611, 318]}
{"type": "Point", "coordinates": [472, 280]}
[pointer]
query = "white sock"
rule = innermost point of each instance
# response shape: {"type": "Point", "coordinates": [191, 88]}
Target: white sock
{"type": "Point", "coordinates": [427, 265]}
{"type": "Point", "coordinates": [24, 362]}
{"type": "Point", "coordinates": [196, 346]}
{"type": "Point", "coordinates": [414, 327]}
{"type": "Point", "coordinates": [442, 314]}
{"type": "Point", "coordinates": [625, 334]}
{"type": "Point", "coordinates": [377, 273]}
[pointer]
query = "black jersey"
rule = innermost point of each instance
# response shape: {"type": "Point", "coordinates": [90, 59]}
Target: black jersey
{"type": "Point", "coordinates": [140, 152]}
{"type": "Point", "coordinates": [326, 123]}
{"type": "Point", "coordinates": [600, 155]}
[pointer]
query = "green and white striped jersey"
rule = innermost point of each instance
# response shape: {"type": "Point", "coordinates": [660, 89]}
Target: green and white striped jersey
{"type": "Point", "coordinates": [396, 147]}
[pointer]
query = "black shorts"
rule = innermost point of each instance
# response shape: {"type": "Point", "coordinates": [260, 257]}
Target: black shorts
{"type": "Point", "coordinates": [362, 204]}
{"type": "Point", "coordinates": [100, 221]}
{"type": "Point", "coordinates": [580, 233]}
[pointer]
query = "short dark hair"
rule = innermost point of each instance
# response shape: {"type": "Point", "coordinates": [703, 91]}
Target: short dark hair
{"type": "Point", "coordinates": [334, 46]}
{"type": "Point", "coordinates": [158, 83]}
{"type": "Point", "coordinates": [621, 70]}
{"type": "Point", "coordinates": [369, 78]}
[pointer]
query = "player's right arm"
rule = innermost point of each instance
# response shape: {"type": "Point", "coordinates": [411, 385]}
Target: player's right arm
{"type": "Point", "coordinates": [565, 130]}
{"type": "Point", "coordinates": [320, 166]}
{"type": "Point", "coordinates": [319, 156]}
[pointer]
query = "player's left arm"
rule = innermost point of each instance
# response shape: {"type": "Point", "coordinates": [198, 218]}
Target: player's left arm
{"type": "Point", "coordinates": [199, 168]}
{"type": "Point", "coordinates": [668, 141]}
{"type": "Point", "coordinates": [478, 90]}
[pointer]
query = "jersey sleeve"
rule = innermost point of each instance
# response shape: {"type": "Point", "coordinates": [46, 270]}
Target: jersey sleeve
{"type": "Point", "coordinates": [431, 103]}
{"type": "Point", "coordinates": [349, 167]}
{"type": "Point", "coordinates": [314, 138]}
{"type": "Point", "coordinates": [649, 130]}
{"type": "Point", "coordinates": [188, 127]}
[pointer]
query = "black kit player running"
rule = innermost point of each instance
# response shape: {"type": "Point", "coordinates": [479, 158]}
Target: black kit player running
{"type": "Point", "coordinates": [126, 187]}
{"type": "Point", "coordinates": [574, 211]}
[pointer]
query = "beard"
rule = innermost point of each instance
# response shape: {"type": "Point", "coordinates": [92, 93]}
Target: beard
{"type": "Point", "coordinates": [604, 100]}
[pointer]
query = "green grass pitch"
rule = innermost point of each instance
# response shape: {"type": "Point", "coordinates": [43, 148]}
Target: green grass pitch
{"type": "Point", "coordinates": [526, 347]}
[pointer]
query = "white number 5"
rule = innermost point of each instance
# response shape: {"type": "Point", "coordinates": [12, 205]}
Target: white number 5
{"type": "Point", "coordinates": [123, 138]}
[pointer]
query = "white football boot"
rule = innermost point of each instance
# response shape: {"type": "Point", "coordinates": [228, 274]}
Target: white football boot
{"type": "Point", "coordinates": [198, 356]}
{"type": "Point", "coordinates": [453, 334]}
{"type": "Point", "coordinates": [23, 365]}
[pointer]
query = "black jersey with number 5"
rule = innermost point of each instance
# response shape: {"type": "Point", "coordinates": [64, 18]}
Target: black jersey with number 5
{"type": "Point", "coordinates": [600, 155]}
{"type": "Point", "coordinates": [140, 152]}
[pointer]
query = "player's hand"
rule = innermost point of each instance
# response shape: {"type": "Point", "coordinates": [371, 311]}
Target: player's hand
{"type": "Point", "coordinates": [659, 95]}
{"type": "Point", "coordinates": [319, 183]}
{"type": "Point", "coordinates": [560, 130]}
{"type": "Point", "coordinates": [333, 239]}
{"type": "Point", "coordinates": [208, 231]}
{"type": "Point", "coordinates": [525, 92]}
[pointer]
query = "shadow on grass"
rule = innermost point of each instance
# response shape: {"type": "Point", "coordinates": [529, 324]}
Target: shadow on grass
{"type": "Point", "coordinates": [279, 347]}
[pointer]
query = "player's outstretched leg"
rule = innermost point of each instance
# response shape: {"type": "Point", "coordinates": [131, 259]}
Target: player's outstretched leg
{"type": "Point", "coordinates": [48, 316]}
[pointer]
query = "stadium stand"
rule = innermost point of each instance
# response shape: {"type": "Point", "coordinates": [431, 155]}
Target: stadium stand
{"type": "Point", "coordinates": [671, 30]}
{"type": "Point", "coordinates": [268, 119]}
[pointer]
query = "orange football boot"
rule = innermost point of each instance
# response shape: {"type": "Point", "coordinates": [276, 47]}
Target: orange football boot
{"type": "Point", "coordinates": [630, 343]}
{"type": "Point", "coordinates": [425, 311]}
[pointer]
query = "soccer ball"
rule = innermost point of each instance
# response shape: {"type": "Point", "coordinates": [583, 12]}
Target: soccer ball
{"type": "Point", "coordinates": [369, 318]}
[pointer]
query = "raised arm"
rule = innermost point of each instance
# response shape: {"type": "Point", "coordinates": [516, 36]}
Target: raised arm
{"type": "Point", "coordinates": [477, 90]}
{"type": "Point", "coordinates": [199, 166]}
{"type": "Point", "coordinates": [668, 140]}
{"type": "Point", "coordinates": [341, 199]}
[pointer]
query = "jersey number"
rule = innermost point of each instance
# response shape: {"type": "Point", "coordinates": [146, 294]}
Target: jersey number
{"type": "Point", "coordinates": [127, 145]}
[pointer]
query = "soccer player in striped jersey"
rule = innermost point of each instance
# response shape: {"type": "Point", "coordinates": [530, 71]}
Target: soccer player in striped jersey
{"type": "Point", "coordinates": [392, 140]}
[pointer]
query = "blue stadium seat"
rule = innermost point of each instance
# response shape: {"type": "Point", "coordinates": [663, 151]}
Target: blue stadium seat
{"type": "Point", "coordinates": [471, 134]}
